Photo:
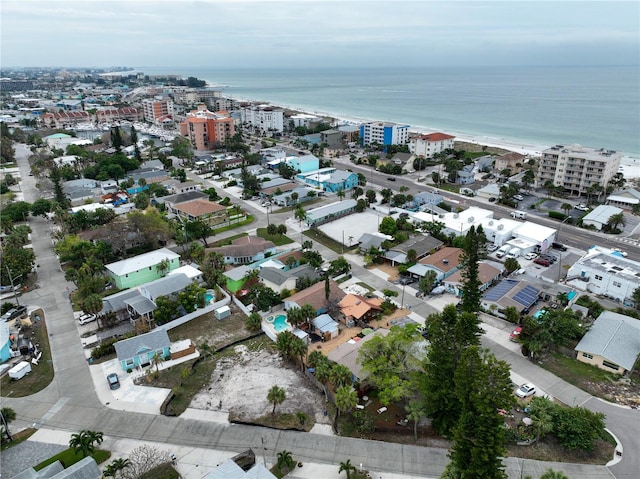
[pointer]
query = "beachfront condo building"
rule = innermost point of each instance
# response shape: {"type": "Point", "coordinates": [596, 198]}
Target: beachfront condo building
{"type": "Point", "coordinates": [430, 144]}
{"type": "Point", "coordinates": [576, 168]}
{"type": "Point", "coordinates": [384, 133]}
{"type": "Point", "coordinates": [263, 118]}
{"type": "Point", "coordinates": [207, 130]}
{"type": "Point", "coordinates": [156, 108]}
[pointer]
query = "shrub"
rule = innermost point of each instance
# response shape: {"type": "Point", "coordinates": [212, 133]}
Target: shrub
{"type": "Point", "coordinates": [557, 215]}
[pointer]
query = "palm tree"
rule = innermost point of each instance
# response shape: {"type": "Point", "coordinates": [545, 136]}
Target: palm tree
{"type": "Point", "coordinates": [85, 442]}
{"type": "Point", "coordinates": [299, 349]}
{"type": "Point", "coordinates": [294, 197]}
{"type": "Point", "coordinates": [156, 361]}
{"type": "Point", "coordinates": [7, 415]}
{"type": "Point", "coordinates": [566, 207]}
{"type": "Point", "coordinates": [285, 461]}
{"type": "Point", "coordinates": [308, 312]}
{"type": "Point", "coordinates": [346, 399]}
{"type": "Point", "coordinates": [116, 465]}
{"type": "Point", "coordinates": [340, 376]}
{"type": "Point", "coordinates": [615, 220]}
{"type": "Point", "coordinates": [340, 194]}
{"type": "Point", "coordinates": [276, 395]}
{"type": "Point", "coordinates": [347, 467]}
{"type": "Point", "coordinates": [414, 412]}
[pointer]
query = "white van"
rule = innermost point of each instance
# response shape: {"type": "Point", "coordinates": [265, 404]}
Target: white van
{"type": "Point", "coordinates": [514, 253]}
{"type": "Point", "coordinates": [519, 215]}
{"type": "Point", "coordinates": [504, 249]}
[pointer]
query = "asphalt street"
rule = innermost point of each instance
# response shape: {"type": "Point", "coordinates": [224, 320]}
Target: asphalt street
{"type": "Point", "coordinates": [70, 403]}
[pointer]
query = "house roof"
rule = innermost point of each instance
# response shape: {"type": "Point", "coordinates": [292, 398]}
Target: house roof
{"type": "Point", "coordinates": [367, 240]}
{"type": "Point", "coordinates": [422, 244]}
{"type": "Point", "coordinates": [315, 295]}
{"type": "Point", "coordinates": [244, 246]}
{"type": "Point", "coordinates": [140, 304]}
{"type": "Point", "coordinates": [146, 260]}
{"type": "Point", "coordinates": [615, 337]}
{"type": "Point", "coordinates": [181, 197]}
{"type": "Point", "coordinates": [444, 260]}
{"type": "Point", "coordinates": [601, 214]}
{"type": "Point", "coordinates": [199, 207]}
{"type": "Point", "coordinates": [486, 273]}
{"type": "Point", "coordinates": [167, 285]}
{"type": "Point", "coordinates": [151, 341]}
{"type": "Point", "coordinates": [436, 137]}
{"type": "Point", "coordinates": [347, 353]}
{"type": "Point", "coordinates": [118, 301]}
{"type": "Point", "coordinates": [331, 208]}
{"type": "Point", "coordinates": [357, 306]}
{"type": "Point", "coordinates": [295, 254]}
{"type": "Point", "coordinates": [325, 323]}
{"type": "Point", "coordinates": [629, 195]}
{"type": "Point", "coordinates": [510, 292]}
{"type": "Point", "coordinates": [238, 273]}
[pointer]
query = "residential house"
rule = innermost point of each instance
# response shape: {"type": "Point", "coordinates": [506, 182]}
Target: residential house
{"type": "Point", "coordinates": [330, 212]}
{"type": "Point", "coordinates": [304, 163]}
{"type": "Point", "coordinates": [236, 277]}
{"type": "Point", "coordinates": [427, 198]}
{"type": "Point", "coordinates": [204, 210]}
{"type": "Point", "coordinates": [325, 327]}
{"type": "Point", "coordinates": [286, 199]}
{"type": "Point", "coordinates": [575, 168]}
{"type": "Point", "coordinates": [356, 308]}
{"type": "Point", "coordinates": [488, 273]}
{"type": "Point", "coordinates": [85, 468]}
{"type": "Point", "coordinates": [510, 292]}
{"type": "Point", "coordinates": [340, 180]}
{"type": "Point", "coordinates": [176, 186]}
{"type": "Point", "coordinates": [421, 244]}
{"type": "Point", "coordinates": [612, 343]}
{"type": "Point", "coordinates": [282, 279]}
{"type": "Point", "coordinates": [372, 240]}
{"type": "Point", "coordinates": [143, 268]}
{"type": "Point", "coordinates": [627, 199]}
{"type": "Point", "coordinates": [5, 342]}
{"type": "Point", "coordinates": [444, 262]}
{"type": "Point", "coordinates": [465, 176]}
{"type": "Point", "coordinates": [509, 161]}
{"type": "Point", "coordinates": [170, 201]}
{"type": "Point", "coordinates": [430, 144]}
{"type": "Point", "coordinates": [599, 217]}
{"type": "Point", "coordinates": [315, 295]}
{"type": "Point", "coordinates": [347, 354]}
{"type": "Point", "coordinates": [606, 272]}
{"type": "Point", "coordinates": [139, 351]}
{"type": "Point", "coordinates": [245, 250]}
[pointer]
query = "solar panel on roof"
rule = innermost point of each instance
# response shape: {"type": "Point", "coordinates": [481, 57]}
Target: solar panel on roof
{"type": "Point", "coordinates": [499, 290]}
{"type": "Point", "coordinates": [527, 296]}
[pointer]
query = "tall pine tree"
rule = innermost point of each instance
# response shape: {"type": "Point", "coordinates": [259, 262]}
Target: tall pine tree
{"type": "Point", "coordinates": [474, 250]}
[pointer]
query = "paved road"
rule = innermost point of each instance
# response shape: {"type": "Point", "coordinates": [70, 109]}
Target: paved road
{"type": "Point", "coordinates": [70, 402]}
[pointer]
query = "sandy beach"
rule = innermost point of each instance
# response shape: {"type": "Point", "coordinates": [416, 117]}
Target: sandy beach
{"type": "Point", "coordinates": [631, 165]}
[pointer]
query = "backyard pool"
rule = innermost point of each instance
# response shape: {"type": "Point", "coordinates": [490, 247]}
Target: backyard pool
{"type": "Point", "coordinates": [209, 295]}
{"type": "Point", "coordinates": [279, 322]}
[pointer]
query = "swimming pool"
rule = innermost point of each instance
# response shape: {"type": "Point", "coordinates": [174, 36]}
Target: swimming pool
{"type": "Point", "coordinates": [209, 296]}
{"type": "Point", "coordinates": [279, 322]}
{"type": "Point", "coordinates": [571, 295]}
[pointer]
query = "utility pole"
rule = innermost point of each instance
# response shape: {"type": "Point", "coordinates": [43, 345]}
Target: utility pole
{"type": "Point", "coordinates": [15, 294]}
{"type": "Point", "coordinates": [264, 458]}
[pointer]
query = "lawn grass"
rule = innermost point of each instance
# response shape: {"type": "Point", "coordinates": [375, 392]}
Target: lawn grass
{"type": "Point", "coordinates": [18, 437]}
{"type": "Point", "coordinates": [302, 203]}
{"type": "Point", "coordinates": [278, 240]}
{"type": "Point", "coordinates": [333, 245]}
{"type": "Point", "coordinates": [580, 374]}
{"type": "Point", "coordinates": [41, 375]}
{"type": "Point", "coordinates": [366, 286]}
{"type": "Point", "coordinates": [68, 457]}
{"type": "Point", "coordinates": [250, 219]}
{"type": "Point", "coordinates": [226, 241]}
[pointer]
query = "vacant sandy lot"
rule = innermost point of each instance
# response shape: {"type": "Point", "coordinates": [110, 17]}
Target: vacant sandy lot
{"type": "Point", "coordinates": [240, 384]}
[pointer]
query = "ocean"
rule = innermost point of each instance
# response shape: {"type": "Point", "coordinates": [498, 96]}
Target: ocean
{"type": "Point", "coordinates": [542, 106]}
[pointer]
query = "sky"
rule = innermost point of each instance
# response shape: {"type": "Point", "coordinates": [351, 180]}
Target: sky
{"type": "Point", "coordinates": [305, 33]}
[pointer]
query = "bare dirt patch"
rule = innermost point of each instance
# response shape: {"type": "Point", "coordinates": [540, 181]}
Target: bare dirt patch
{"type": "Point", "coordinates": [390, 270]}
{"type": "Point", "coordinates": [240, 383]}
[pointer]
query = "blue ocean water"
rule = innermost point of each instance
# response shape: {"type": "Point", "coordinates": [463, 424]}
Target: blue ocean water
{"type": "Point", "coordinates": [592, 106]}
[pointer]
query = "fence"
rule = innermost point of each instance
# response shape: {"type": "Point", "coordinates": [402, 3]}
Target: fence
{"type": "Point", "coordinates": [198, 312]}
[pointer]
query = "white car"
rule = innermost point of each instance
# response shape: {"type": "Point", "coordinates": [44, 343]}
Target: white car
{"type": "Point", "coordinates": [518, 197]}
{"type": "Point", "coordinates": [531, 256]}
{"type": "Point", "coordinates": [526, 390]}
{"type": "Point", "coordinates": [87, 318]}
{"type": "Point", "coordinates": [581, 207]}
{"type": "Point", "coordinates": [491, 247]}
{"type": "Point", "coordinates": [619, 251]}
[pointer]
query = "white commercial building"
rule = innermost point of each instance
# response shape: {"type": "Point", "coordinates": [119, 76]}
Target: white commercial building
{"type": "Point", "coordinates": [599, 217]}
{"type": "Point", "coordinates": [607, 272]}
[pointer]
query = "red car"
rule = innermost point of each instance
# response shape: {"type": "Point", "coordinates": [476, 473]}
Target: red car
{"type": "Point", "coordinates": [515, 334]}
{"type": "Point", "coordinates": [541, 261]}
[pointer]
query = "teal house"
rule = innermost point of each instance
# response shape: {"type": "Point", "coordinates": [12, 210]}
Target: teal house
{"type": "Point", "coordinates": [132, 272]}
{"type": "Point", "coordinates": [5, 343]}
{"type": "Point", "coordinates": [141, 350]}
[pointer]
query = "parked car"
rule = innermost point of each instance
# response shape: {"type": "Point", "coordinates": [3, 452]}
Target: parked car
{"type": "Point", "coordinates": [114, 382]}
{"type": "Point", "coordinates": [407, 280]}
{"type": "Point", "coordinates": [491, 247]}
{"type": "Point", "coordinates": [526, 390]}
{"type": "Point", "coordinates": [87, 318]}
{"type": "Point", "coordinates": [391, 178]}
{"type": "Point", "coordinates": [518, 197]}
{"type": "Point", "coordinates": [619, 251]}
{"type": "Point", "coordinates": [581, 207]}
{"type": "Point", "coordinates": [492, 200]}
{"type": "Point", "coordinates": [549, 257]}
{"type": "Point", "coordinates": [531, 255]}
{"type": "Point", "coordinates": [14, 313]}
{"type": "Point", "coordinates": [541, 261]}
{"type": "Point", "coordinates": [559, 246]}
{"type": "Point", "coordinates": [515, 334]}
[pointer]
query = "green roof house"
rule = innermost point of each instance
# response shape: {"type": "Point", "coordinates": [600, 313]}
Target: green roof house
{"type": "Point", "coordinates": [132, 272]}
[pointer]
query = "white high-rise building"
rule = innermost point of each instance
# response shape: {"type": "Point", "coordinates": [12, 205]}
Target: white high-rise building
{"type": "Point", "coordinates": [384, 133]}
{"type": "Point", "coordinates": [263, 117]}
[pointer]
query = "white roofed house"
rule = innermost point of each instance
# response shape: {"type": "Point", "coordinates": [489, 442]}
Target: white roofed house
{"type": "Point", "coordinates": [627, 199]}
{"type": "Point", "coordinates": [143, 268]}
{"type": "Point", "coordinates": [612, 343]}
{"type": "Point", "coordinates": [599, 217]}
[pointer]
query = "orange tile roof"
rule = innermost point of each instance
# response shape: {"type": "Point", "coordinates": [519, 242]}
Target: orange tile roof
{"type": "Point", "coordinates": [199, 207]}
{"type": "Point", "coordinates": [357, 306]}
{"type": "Point", "coordinates": [437, 137]}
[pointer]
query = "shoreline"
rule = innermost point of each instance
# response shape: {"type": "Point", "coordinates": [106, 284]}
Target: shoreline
{"type": "Point", "coordinates": [515, 145]}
